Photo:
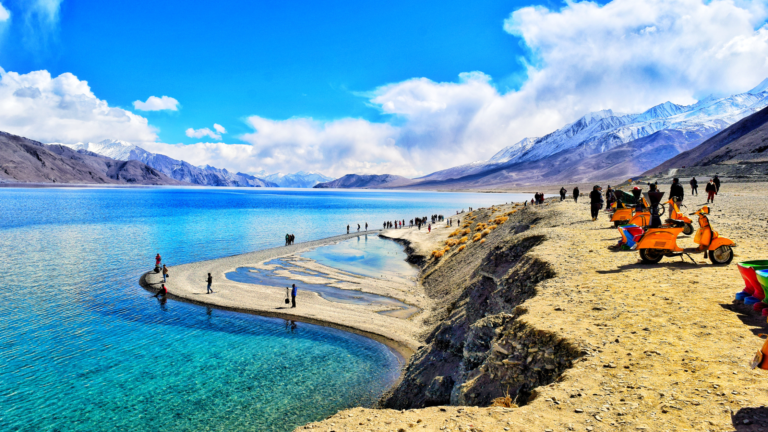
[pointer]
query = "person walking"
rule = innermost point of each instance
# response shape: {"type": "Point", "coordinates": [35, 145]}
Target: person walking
{"type": "Point", "coordinates": [711, 190]}
{"type": "Point", "coordinates": [165, 273]}
{"type": "Point", "coordinates": [294, 291]}
{"type": "Point", "coordinates": [347, 229]}
{"type": "Point", "coordinates": [358, 227]}
{"type": "Point", "coordinates": [366, 226]}
{"type": "Point", "coordinates": [562, 193]}
{"type": "Point", "coordinates": [210, 283]}
{"type": "Point", "coordinates": [576, 194]}
{"type": "Point", "coordinates": [694, 186]}
{"type": "Point", "coordinates": [716, 180]}
{"type": "Point", "coordinates": [596, 201]}
{"type": "Point", "coordinates": [287, 237]}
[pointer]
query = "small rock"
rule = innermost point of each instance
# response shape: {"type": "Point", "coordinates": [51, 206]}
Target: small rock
{"type": "Point", "coordinates": [578, 410]}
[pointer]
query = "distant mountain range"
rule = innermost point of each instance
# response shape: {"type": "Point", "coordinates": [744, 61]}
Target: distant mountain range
{"type": "Point", "coordinates": [740, 150]}
{"type": "Point", "coordinates": [300, 179]}
{"type": "Point", "coordinates": [602, 145]}
{"type": "Point", "coordinates": [204, 176]}
{"type": "Point", "coordinates": [26, 161]}
{"type": "Point", "coordinates": [366, 181]}
{"type": "Point", "coordinates": [176, 169]}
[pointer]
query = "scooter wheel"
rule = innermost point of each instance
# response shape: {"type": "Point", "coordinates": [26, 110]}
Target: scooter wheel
{"type": "Point", "coordinates": [721, 256]}
{"type": "Point", "coordinates": [688, 229]}
{"type": "Point", "coordinates": [651, 256]}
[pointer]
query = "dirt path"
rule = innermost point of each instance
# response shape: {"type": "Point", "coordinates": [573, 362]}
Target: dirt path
{"type": "Point", "coordinates": [664, 347]}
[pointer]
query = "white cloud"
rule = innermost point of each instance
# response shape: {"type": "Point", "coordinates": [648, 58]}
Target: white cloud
{"type": "Point", "coordinates": [63, 109]}
{"type": "Point", "coordinates": [4, 14]}
{"type": "Point", "coordinates": [199, 133]}
{"type": "Point", "coordinates": [46, 10]}
{"type": "Point", "coordinates": [219, 128]}
{"type": "Point", "coordinates": [155, 103]}
{"type": "Point", "coordinates": [627, 55]}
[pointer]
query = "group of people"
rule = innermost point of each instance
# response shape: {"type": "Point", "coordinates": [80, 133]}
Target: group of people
{"type": "Point", "coordinates": [538, 198]}
{"type": "Point", "coordinates": [163, 291]}
{"type": "Point", "coordinates": [394, 224]}
{"type": "Point", "coordinates": [676, 191]}
{"type": "Point", "coordinates": [289, 239]}
{"type": "Point", "coordinates": [358, 227]}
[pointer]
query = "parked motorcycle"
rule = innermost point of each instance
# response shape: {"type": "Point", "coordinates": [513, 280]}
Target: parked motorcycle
{"type": "Point", "coordinates": [657, 243]}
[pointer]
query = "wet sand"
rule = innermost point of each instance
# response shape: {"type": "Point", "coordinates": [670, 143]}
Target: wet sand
{"type": "Point", "coordinates": [188, 283]}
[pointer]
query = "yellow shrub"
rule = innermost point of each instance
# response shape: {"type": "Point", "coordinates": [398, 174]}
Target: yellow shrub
{"type": "Point", "coordinates": [500, 220]}
{"type": "Point", "coordinates": [481, 226]}
{"type": "Point", "coordinates": [463, 240]}
{"type": "Point", "coordinates": [492, 227]}
{"type": "Point", "coordinates": [455, 233]}
{"type": "Point", "coordinates": [461, 248]}
{"type": "Point", "coordinates": [437, 254]}
{"type": "Point", "coordinates": [477, 237]}
{"type": "Point", "coordinates": [482, 241]}
{"type": "Point", "coordinates": [451, 242]}
{"type": "Point", "coordinates": [447, 249]}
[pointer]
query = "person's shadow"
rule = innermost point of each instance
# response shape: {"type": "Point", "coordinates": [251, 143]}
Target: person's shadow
{"type": "Point", "coordinates": [750, 419]}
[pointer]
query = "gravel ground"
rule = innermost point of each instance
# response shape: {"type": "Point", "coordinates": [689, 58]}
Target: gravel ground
{"type": "Point", "coordinates": [665, 347]}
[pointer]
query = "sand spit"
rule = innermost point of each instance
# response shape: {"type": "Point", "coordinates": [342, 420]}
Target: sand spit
{"type": "Point", "coordinates": [187, 283]}
{"type": "Point", "coordinates": [660, 348]}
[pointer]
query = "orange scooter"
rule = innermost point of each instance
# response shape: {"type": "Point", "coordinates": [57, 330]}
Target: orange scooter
{"type": "Point", "coordinates": [658, 243]}
{"type": "Point", "coordinates": [677, 219]}
{"type": "Point", "coordinates": [631, 216]}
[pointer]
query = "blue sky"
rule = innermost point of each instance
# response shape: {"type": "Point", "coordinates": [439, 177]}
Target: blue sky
{"type": "Point", "coordinates": [226, 60]}
{"type": "Point", "coordinates": [369, 87]}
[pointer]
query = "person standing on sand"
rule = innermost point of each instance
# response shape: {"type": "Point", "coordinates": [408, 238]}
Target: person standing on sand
{"type": "Point", "coordinates": [158, 260]}
{"type": "Point", "coordinates": [210, 283]}
{"type": "Point", "coordinates": [347, 229]}
{"type": "Point", "coordinates": [163, 292]}
{"type": "Point", "coordinates": [596, 201]}
{"type": "Point", "coordinates": [358, 227]}
{"type": "Point", "coordinates": [717, 184]}
{"type": "Point", "coordinates": [711, 190]}
{"type": "Point", "coordinates": [366, 226]}
{"type": "Point", "coordinates": [429, 228]}
{"type": "Point", "coordinates": [576, 194]}
{"type": "Point", "coordinates": [165, 273]}
{"type": "Point", "coordinates": [294, 291]}
{"type": "Point", "coordinates": [562, 193]}
{"type": "Point", "coordinates": [694, 186]}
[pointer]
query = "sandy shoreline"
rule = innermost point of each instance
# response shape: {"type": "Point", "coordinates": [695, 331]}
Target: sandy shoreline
{"type": "Point", "coordinates": [663, 347]}
{"type": "Point", "coordinates": [187, 283]}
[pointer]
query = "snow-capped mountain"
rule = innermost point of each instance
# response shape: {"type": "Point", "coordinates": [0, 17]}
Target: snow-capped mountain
{"type": "Point", "coordinates": [300, 179]}
{"type": "Point", "coordinates": [604, 130]}
{"type": "Point", "coordinates": [177, 169]}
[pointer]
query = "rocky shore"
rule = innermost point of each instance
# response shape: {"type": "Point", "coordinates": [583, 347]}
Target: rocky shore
{"type": "Point", "coordinates": [580, 337]}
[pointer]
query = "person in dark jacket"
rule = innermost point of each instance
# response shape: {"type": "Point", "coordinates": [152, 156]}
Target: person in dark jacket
{"type": "Point", "coordinates": [637, 194]}
{"type": "Point", "coordinates": [596, 201]}
{"type": "Point", "coordinates": [694, 186]}
{"type": "Point", "coordinates": [676, 190]}
{"type": "Point", "coordinates": [294, 292]}
{"type": "Point", "coordinates": [562, 193]}
{"type": "Point", "coordinates": [716, 180]}
{"type": "Point", "coordinates": [576, 194]}
{"type": "Point", "coordinates": [210, 283]}
{"type": "Point", "coordinates": [711, 190]}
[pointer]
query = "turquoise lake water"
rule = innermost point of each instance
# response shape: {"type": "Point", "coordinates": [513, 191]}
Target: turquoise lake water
{"type": "Point", "coordinates": [84, 348]}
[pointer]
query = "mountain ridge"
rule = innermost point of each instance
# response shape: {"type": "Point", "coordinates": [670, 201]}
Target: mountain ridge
{"type": "Point", "coordinates": [23, 160]}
